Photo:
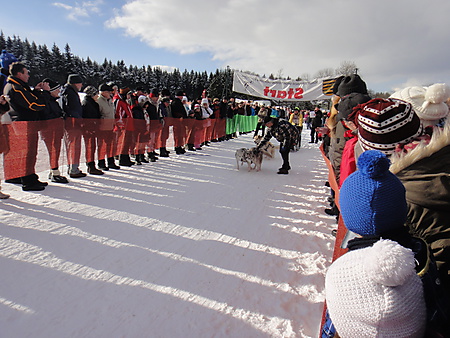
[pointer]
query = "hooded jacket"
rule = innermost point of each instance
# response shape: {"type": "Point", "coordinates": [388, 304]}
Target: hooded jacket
{"type": "Point", "coordinates": [425, 173]}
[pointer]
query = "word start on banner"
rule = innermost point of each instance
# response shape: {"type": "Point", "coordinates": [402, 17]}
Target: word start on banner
{"type": "Point", "coordinates": [283, 94]}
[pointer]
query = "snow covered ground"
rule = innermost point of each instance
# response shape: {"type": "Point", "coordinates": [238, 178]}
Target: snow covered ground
{"type": "Point", "coordinates": [185, 247]}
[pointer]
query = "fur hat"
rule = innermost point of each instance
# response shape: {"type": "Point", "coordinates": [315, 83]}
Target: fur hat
{"type": "Point", "coordinates": [90, 91]}
{"type": "Point", "coordinates": [336, 84]}
{"type": "Point", "coordinates": [142, 99]}
{"type": "Point", "coordinates": [165, 92]}
{"type": "Point", "coordinates": [375, 292]}
{"type": "Point", "coordinates": [74, 78]}
{"type": "Point", "coordinates": [105, 88]}
{"type": "Point", "coordinates": [346, 105]}
{"type": "Point", "coordinates": [351, 84]}
{"type": "Point", "coordinates": [53, 84]}
{"type": "Point", "coordinates": [429, 103]}
{"type": "Point", "coordinates": [372, 199]}
{"type": "Point", "coordinates": [383, 123]}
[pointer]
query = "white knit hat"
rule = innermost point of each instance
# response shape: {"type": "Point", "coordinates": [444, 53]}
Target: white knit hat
{"type": "Point", "coordinates": [375, 292]}
{"type": "Point", "coordinates": [429, 103]}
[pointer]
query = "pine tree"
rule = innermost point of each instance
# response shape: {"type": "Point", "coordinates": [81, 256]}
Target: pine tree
{"type": "Point", "coordinates": [56, 65]}
{"type": "Point", "coordinates": [2, 41]}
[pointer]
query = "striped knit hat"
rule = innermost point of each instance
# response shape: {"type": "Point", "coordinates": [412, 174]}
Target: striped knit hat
{"type": "Point", "coordinates": [383, 123]}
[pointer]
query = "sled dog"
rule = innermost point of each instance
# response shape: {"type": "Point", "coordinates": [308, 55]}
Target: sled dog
{"type": "Point", "coordinates": [252, 156]}
{"type": "Point", "coordinates": [268, 149]}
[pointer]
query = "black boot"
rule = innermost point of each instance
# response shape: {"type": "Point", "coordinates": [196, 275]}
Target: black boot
{"type": "Point", "coordinates": [143, 159]}
{"type": "Point", "coordinates": [152, 157]}
{"type": "Point", "coordinates": [112, 164]}
{"type": "Point", "coordinates": [124, 159]}
{"type": "Point", "coordinates": [163, 152]}
{"type": "Point", "coordinates": [102, 165]}
{"type": "Point", "coordinates": [283, 171]}
{"type": "Point", "coordinates": [93, 170]}
{"type": "Point", "coordinates": [138, 159]}
{"type": "Point", "coordinates": [31, 183]}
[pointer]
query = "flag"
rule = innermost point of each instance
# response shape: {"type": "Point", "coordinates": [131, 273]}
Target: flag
{"type": "Point", "coordinates": [327, 86]}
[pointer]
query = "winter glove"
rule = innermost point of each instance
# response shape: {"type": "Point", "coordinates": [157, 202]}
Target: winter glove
{"type": "Point", "coordinates": [284, 149]}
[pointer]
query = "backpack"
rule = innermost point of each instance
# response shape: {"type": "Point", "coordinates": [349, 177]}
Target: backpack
{"type": "Point", "coordinates": [437, 299]}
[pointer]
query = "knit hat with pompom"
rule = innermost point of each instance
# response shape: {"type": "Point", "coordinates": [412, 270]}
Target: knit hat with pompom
{"type": "Point", "coordinates": [384, 123]}
{"type": "Point", "coordinates": [372, 199]}
{"type": "Point", "coordinates": [429, 103]}
{"type": "Point", "coordinates": [375, 292]}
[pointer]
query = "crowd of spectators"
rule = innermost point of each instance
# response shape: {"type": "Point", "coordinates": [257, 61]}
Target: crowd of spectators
{"type": "Point", "coordinates": [108, 126]}
{"type": "Point", "coordinates": [391, 161]}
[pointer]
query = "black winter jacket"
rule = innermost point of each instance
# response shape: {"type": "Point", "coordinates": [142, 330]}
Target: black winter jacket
{"type": "Point", "coordinates": [177, 108]}
{"type": "Point", "coordinates": [26, 105]}
{"type": "Point", "coordinates": [90, 108]}
{"type": "Point", "coordinates": [71, 102]}
{"type": "Point", "coordinates": [52, 108]}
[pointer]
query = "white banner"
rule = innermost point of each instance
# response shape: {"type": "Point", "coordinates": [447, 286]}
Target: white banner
{"type": "Point", "coordinates": [282, 90]}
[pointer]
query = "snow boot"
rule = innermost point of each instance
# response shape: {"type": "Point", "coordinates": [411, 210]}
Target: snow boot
{"type": "Point", "coordinates": [152, 156]}
{"type": "Point", "coordinates": [283, 171]}
{"type": "Point", "coordinates": [163, 152]}
{"type": "Point", "coordinates": [124, 159]}
{"type": "Point", "coordinates": [93, 170]}
{"type": "Point", "coordinates": [112, 164]}
{"type": "Point", "coordinates": [102, 165]}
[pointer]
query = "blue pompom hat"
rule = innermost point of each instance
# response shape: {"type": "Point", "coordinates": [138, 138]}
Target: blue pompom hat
{"type": "Point", "coordinates": [372, 199]}
{"type": "Point", "coordinates": [6, 59]}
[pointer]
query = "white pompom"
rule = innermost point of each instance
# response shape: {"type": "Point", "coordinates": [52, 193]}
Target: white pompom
{"type": "Point", "coordinates": [437, 93]}
{"type": "Point", "coordinates": [388, 263]}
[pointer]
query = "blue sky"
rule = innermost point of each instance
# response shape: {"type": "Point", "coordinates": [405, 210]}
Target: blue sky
{"type": "Point", "coordinates": [395, 43]}
{"type": "Point", "coordinates": [82, 24]}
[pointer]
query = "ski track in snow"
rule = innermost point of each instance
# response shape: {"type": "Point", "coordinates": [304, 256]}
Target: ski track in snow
{"type": "Point", "coordinates": [188, 246]}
